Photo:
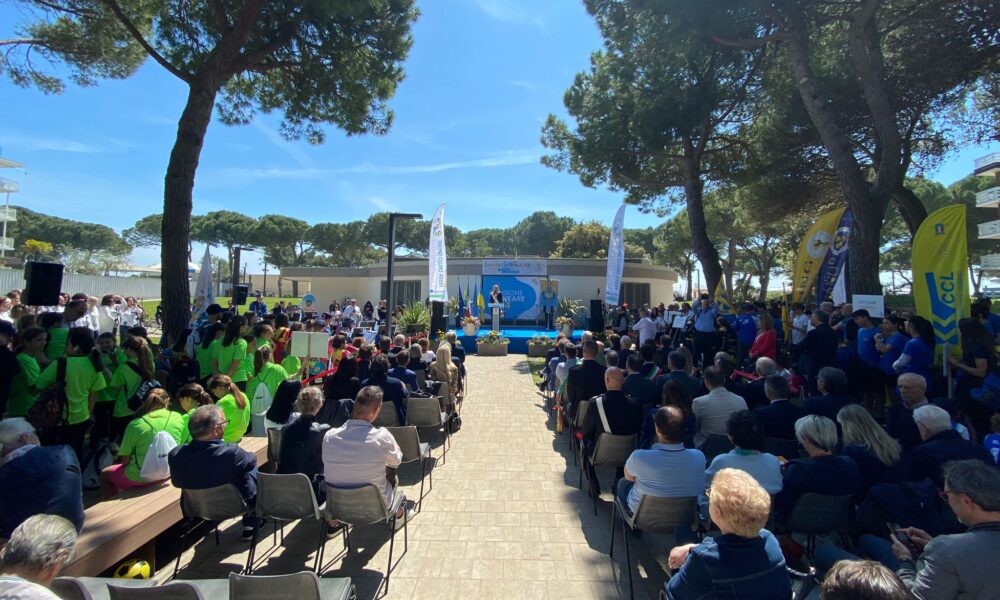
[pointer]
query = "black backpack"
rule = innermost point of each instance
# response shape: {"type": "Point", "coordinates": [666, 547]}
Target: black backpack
{"type": "Point", "coordinates": [183, 372]}
{"type": "Point", "coordinates": [50, 409]}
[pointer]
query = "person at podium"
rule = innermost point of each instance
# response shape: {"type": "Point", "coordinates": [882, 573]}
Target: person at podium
{"type": "Point", "coordinates": [496, 297]}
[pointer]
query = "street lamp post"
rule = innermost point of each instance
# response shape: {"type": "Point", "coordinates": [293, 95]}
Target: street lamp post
{"type": "Point", "coordinates": [391, 297]}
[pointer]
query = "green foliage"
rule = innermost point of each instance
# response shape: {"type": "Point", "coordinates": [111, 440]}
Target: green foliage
{"type": "Point", "coordinates": [539, 232]}
{"type": "Point", "coordinates": [284, 239]}
{"type": "Point", "coordinates": [590, 240]}
{"type": "Point", "coordinates": [415, 314]}
{"type": "Point", "coordinates": [492, 338]}
{"type": "Point", "coordinates": [65, 235]}
{"type": "Point", "coordinates": [343, 244]}
{"type": "Point", "coordinates": [146, 232]}
{"type": "Point", "coordinates": [569, 307]}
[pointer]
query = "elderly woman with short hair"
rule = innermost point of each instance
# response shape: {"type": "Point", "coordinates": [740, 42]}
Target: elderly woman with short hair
{"type": "Point", "coordinates": [822, 472]}
{"type": "Point", "coordinates": [301, 449]}
{"type": "Point", "coordinates": [743, 563]}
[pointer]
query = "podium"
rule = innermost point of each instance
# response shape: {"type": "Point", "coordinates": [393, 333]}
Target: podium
{"type": "Point", "coordinates": [495, 309]}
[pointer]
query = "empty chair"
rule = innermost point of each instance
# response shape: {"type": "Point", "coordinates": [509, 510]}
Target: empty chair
{"type": "Point", "coordinates": [176, 590]}
{"type": "Point", "coordinates": [779, 447]}
{"type": "Point", "coordinates": [610, 451]}
{"type": "Point", "coordinates": [816, 514]}
{"type": "Point", "coordinates": [655, 515]}
{"type": "Point", "coordinates": [413, 450]}
{"type": "Point", "coordinates": [284, 498]}
{"type": "Point", "coordinates": [213, 505]}
{"type": "Point", "coordinates": [714, 445]}
{"type": "Point", "coordinates": [304, 585]}
{"type": "Point", "coordinates": [426, 413]}
{"type": "Point", "coordinates": [365, 505]}
{"type": "Point", "coordinates": [387, 416]}
{"type": "Point", "coordinates": [273, 445]}
{"type": "Point", "coordinates": [91, 588]}
{"type": "Point", "coordinates": [575, 426]}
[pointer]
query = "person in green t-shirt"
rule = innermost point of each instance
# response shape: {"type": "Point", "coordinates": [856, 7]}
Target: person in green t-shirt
{"type": "Point", "coordinates": [84, 378]}
{"type": "Point", "coordinates": [190, 397]}
{"type": "Point", "coordinates": [248, 360]}
{"type": "Point", "coordinates": [58, 326]}
{"type": "Point", "coordinates": [112, 356]}
{"type": "Point", "coordinates": [233, 404]}
{"type": "Point", "coordinates": [152, 417]}
{"type": "Point", "coordinates": [205, 353]}
{"type": "Point", "coordinates": [264, 334]}
{"type": "Point", "coordinates": [30, 352]}
{"type": "Point", "coordinates": [266, 373]}
{"type": "Point", "coordinates": [130, 374]}
{"type": "Point", "coordinates": [232, 351]}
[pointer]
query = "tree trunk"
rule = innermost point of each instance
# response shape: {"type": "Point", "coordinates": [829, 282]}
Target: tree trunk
{"type": "Point", "coordinates": [295, 288]}
{"type": "Point", "coordinates": [704, 249]}
{"type": "Point", "coordinates": [730, 266]}
{"type": "Point", "coordinates": [178, 189]}
{"type": "Point", "coordinates": [976, 280]}
{"type": "Point", "coordinates": [689, 283]}
{"type": "Point", "coordinates": [765, 279]}
{"type": "Point", "coordinates": [910, 208]}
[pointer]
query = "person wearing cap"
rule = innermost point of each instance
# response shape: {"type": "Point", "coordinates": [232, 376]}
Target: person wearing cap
{"type": "Point", "coordinates": [868, 359]}
{"type": "Point", "coordinates": [258, 306]}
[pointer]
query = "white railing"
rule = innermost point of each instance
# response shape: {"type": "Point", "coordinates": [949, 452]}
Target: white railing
{"type": "Point", "coordinates": [6, 243]}
{"type": "Point", "coordinates": [989, 231]}
{"type": "Point", "coordinates": [988, 198]}
{"type": "Point", "coordinates": [989, 159]}
{"type": "Point", "coordinates": [94, 285]}
{"type": "Point", "coordinates": [8, 186]}
{"type": "Point", "coordinates": [7, 214]}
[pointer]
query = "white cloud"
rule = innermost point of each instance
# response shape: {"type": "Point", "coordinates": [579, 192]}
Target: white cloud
{"type": "Point", "coordinates": [503, 159]}
{"type": "Point", "coordinates": [509, 12]}
{"type": "Point", "coordinates": [524, 84]}
{"type": "Point", "coordinates": [293, 150]}
{"type": "Point", "coordinates": [42, 144]}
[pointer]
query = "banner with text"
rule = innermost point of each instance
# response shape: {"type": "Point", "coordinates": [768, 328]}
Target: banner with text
{"type": "Point", "coordinates": [437, 262]}
{"type": "Point", "coordinates": [514, 266]}
{"type": "Point", "coordinates": [940, 272]}
{"type": "Point", "coordinates": [835, 259]}
{"type": "Point", "coordinates": [616, 259]}
{"type": "Point", "coordinates": [811, 252]}
{"type": "Point", "coordinates": [521, 295]}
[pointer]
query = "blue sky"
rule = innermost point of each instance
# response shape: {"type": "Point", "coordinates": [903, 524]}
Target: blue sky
{"type": "Point", "coordinates": [480, 80]}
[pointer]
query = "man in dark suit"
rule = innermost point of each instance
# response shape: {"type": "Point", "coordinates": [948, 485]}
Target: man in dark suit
{"type": "Point", "coordinates": [941, 444]}
{"type": "Point", "coordinates": [780, 415]}
{"type": "Point", "coordinates": [402, 371]}
{"type": "Point", "coordinates": [637, 386]}
{"type": "Point", "coordinates": [208, 462]}
{"type": "Point", "coordinates": [677, 363]}
{"type": "Point", "coordinates": [832, 385]}
{"type": "Point", "coordinates": [586, 379]}
{"type": "Point", "coordinates": [649, 369]}
{"type": "Point", "coordinates": [624, 417]}
{"type": "Point", "coordinates": [819, 349]}
{"type": "Point", "coordinates": [753, 391]}
{"type": "Point", "coordinates": [393, 389]}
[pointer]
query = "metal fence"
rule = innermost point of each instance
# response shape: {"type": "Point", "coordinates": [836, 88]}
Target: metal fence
{"type": "Point", "coordinates": [94, 285]}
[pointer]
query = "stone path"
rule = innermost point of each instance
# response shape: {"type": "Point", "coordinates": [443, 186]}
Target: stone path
{"type": "Point", "coordinates": [504, 520]}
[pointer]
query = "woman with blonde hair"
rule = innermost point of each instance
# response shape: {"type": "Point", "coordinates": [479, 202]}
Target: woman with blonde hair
{"type": "Point", "coordinates": [234, 406]}
{"type": "Point", "coordinates": [879, 457]}
{"type": "Point", "coordinates": [766, 342]}
{"type": "Point", "coordinates": [444, 369]}
{"type": "Point", "coordinates": [746, 560]}
{"type": "Point", "coordinates": [152, 417]}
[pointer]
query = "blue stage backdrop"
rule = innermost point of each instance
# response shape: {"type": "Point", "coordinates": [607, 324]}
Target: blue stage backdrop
{"type": "Point", "coordinates": [520, 294]}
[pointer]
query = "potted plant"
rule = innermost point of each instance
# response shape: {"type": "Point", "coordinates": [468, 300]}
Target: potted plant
{"type": "Point", "coordinates": [565, 324]}
{"type": "Point", "coordinates": [492, 344]}
{"type": "Point", "coordinates": [415, 318]}
{"type": "Point", "coordinates": [539, 345]}
{"type": "Point", "coordinates": [470, 326]}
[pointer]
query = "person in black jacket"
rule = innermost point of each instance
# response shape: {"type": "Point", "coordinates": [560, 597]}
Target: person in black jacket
{"type": "Point", "coordinates": [941, 444]}
{"type": "Point", "coordinates": [819, 349]}
{"type": "Point", "coordinates": [586, 379]}
{"type": "Point", "coordinates": [624, 417]}
{"type": "Point", "coordinates": [753, 391]}
{"type": "Point", "coordinates": [343, 384]}
{"type": "Point", "coordinates": [677, 365]}
{"type": "Point", "coordinates": [301, 449]}
{"type": "Point", "coordinates": [638, 387]}
{"type": "Point", "coordinates": [209, 462]}
{"type": "Point", "coordinates": [780, 415]}
{"type": "Point", "coordinates": [832, 385]}
{"type": "Point", "coordinates": [393, 389]}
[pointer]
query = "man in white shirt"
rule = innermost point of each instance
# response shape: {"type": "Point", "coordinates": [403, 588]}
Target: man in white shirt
{"type": "Point", "coordinates": [358, 453]}
{"type": "Point", "coordinates": [32, 558]}
{"type": "Point", "coordinates": [350, 311]}
{"type": "Point", "coordinates": [646, 327]}
{"type": "Point", "coordinates": [800, 327]}
{"type": "Point", "coordinates": [712, 411]}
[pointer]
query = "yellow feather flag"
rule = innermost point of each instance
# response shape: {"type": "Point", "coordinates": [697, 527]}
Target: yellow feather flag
{"type": "Point", "coordinates": [940, 273]}
{"type": "Point", "coordinates": [812, 250]}
{"type": "Point", "coordinates": [722, 298]}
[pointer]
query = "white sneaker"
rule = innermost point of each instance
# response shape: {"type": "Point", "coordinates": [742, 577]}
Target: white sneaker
{"type": "Point", "coordinates": [400, 521]}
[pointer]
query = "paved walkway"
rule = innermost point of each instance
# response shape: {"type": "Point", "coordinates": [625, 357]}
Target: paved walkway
{"type": "Point", "coordinates": [504, 520]}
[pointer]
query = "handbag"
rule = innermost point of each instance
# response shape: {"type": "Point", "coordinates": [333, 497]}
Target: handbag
{"type": "Point", "coordinates": [50, 409]}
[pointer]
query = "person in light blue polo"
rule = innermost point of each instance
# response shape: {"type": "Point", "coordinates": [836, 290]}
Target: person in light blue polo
{"type": "Point", "coordinates": [667, 470]}
{"type": "Point", "coordinates": [705, 338]}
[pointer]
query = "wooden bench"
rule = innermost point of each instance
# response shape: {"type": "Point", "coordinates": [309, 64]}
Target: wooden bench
{"type": "Point", "coordinates": [115, 529]}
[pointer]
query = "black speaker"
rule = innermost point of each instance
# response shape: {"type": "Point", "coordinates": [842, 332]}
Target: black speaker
{"type": "Point", "coordinates": [438, 324]}
{"type": "Point", "coordinates": [596, 322]}
{"type": "Point", "coordinates": [437, 309]}
{"type": "Point", "coordinates": [43, 283]}
{"type": "Point", "coordinates": [240, 293]}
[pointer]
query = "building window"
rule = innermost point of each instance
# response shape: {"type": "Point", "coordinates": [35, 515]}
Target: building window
{"type": "Point", "coordinates": [404, 292]}
{"type": "Point", "coordinates": [634, 294]}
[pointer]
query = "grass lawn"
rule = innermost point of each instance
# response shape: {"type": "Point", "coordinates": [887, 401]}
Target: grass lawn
{"type": "Point", "coordinates": [149, 306]}
{"type": "Point", "coordinates": [535, 365]}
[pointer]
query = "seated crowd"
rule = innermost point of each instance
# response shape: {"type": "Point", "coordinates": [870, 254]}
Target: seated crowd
{"type": "Point", "coordinates": [92, 394]}
{"type": "Point", "coordinates": [855, 420]}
